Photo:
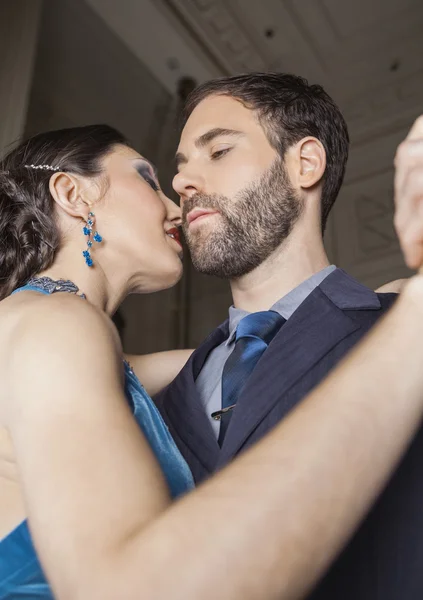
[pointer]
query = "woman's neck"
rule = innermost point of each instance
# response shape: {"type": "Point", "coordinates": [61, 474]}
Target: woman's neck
{"type": "Point", "coordinates": [93, 282]}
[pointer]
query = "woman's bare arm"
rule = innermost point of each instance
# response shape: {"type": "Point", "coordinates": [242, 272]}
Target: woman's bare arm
{"type": "Point", "coordinates": [157, 370]}
{"type": "Point", "coordinates": [393, 287]}
{"type": "Point", "coordinates": [267, 526]}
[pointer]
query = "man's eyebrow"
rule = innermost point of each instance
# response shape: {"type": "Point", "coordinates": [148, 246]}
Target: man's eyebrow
{"type": "Point", "coordinates": [205, 139]}
{"type": "Point", "coordinates": [209, 136]}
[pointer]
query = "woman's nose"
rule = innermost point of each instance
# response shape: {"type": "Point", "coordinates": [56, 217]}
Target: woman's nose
{"type": "Point", "coordinates": [173, 211]}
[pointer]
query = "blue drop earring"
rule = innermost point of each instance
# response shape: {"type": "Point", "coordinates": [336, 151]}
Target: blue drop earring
{"type": "Point", "coordinates": [96, 237]}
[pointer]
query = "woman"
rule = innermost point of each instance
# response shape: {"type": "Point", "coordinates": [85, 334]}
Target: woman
{"type": "Point", "coordinates": [85, 460]}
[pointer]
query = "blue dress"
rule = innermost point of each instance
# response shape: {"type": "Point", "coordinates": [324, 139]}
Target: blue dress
{"type": "Point", "coordinates": [21, 575]}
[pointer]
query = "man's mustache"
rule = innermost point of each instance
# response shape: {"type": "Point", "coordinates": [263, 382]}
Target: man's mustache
{"type": "Point", "coordinates": [207, 201]}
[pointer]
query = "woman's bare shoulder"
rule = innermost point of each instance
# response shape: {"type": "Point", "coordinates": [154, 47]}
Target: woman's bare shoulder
{"type": "Point", "coordinates": [40, 334]}
{"type": "Point", "coordinates": [32, 313]}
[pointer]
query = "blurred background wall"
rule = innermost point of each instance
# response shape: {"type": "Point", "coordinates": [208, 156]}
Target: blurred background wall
{"type": "Point", "coordinates": [130, 63]}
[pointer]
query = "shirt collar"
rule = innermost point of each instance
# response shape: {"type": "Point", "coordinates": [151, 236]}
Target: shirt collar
{"type": "Point", "coordinates": [286, 305]}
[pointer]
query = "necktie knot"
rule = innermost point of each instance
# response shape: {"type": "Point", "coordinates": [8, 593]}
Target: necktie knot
{"type": "Point", "coordinates": [263, 325]}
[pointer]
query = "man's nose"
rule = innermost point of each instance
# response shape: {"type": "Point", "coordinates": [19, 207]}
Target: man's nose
{"type": "Point", "coordinates": [187, 183]}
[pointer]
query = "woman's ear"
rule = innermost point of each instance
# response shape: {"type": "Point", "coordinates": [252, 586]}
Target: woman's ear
{"type": "Point", "coordinates": [312, 161]}
{"type": "Point", "coordinates": [66, 191]}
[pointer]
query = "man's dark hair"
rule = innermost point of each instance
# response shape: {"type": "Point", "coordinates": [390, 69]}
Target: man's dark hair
{"type": "Point", "coordinates": [288, 109]}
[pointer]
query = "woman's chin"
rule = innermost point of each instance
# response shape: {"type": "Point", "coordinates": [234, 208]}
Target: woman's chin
{"type": "Point", "coordinates": [173, 278]}
{"type": "Point", "coordinates": [161, 279]}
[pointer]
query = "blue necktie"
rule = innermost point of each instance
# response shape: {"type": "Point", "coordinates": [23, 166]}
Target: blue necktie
{"type": "Point", "coordinates": [254, 333]}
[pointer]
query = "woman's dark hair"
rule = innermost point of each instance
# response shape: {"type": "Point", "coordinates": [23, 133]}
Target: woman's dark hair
{"type": "Point", "coordinates": [289, 109]}
{"type": "Point", "coordinates": [29, 235]}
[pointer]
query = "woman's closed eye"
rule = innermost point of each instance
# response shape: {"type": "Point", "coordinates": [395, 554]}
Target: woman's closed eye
{"type": "Point", "coordinates": [152, 183]}
{"type": "Point", "coordinates": [146, 173]}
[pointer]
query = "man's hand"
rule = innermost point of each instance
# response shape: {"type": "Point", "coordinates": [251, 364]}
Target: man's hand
{"type": "Point", "coordinates": [409, 195]}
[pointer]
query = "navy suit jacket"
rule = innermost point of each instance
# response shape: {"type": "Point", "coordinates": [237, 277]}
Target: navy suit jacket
{"type": "Point", "coordinates": [384, 560]}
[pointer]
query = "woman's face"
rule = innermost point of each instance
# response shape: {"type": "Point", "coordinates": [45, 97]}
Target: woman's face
{"type": "Point", "coordinates": [138, 224]}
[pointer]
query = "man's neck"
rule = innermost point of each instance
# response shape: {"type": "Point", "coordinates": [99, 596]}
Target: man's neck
{"type": "Point", "coordinates": [293, 262]}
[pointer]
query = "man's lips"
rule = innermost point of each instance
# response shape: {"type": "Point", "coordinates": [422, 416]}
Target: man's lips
{"type": "Point", "coordinates": [174, 234]}
{"type": "Point", "coordinates": [197, 213]}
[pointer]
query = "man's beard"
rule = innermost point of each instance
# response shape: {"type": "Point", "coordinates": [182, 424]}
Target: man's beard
{"type": "Point", "coordinates": [252, 225]}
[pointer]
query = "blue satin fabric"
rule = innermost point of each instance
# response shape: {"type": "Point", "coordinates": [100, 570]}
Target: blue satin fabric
{"type": "Point", "coordinates": [21, 575]}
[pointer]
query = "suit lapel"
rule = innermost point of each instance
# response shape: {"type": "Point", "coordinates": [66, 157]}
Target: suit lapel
{"type": "Point", "coordinates": [308, 335]}
{"type": "Point", "coordinates": [185, 410]}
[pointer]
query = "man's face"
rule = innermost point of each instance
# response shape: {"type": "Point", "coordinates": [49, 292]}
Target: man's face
{"type": "Point", "coordinates": [237, 200]}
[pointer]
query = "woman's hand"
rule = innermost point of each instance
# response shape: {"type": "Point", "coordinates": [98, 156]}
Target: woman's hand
{"type": "Point", "coordinates": [409, 195]}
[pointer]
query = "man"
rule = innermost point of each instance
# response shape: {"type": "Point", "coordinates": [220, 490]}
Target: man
{"type": "Point", "coordinates": [260, 164]}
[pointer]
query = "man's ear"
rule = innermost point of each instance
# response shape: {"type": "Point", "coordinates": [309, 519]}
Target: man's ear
{"type": "Point", "coordinates": [312, 159]}
{"type": "Point", "coordinates": [66, 191]}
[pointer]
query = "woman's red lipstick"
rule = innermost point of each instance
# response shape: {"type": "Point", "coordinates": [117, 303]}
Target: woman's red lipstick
{"type": "Point", "coordinates": [175, 234]}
